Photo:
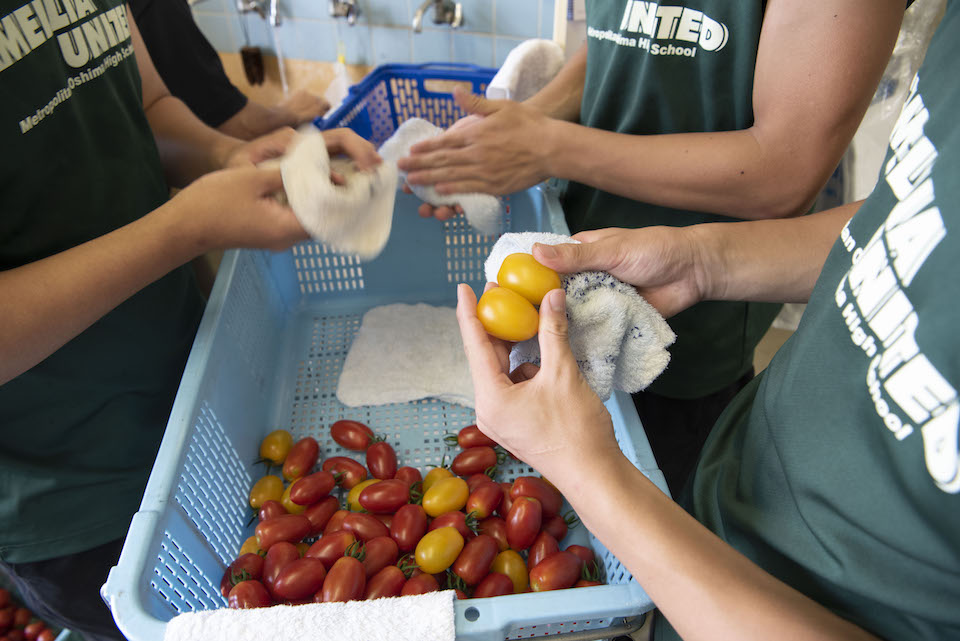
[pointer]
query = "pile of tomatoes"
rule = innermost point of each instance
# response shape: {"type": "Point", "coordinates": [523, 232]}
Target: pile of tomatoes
{"type": "Point", "coordinates": [339, 530]}
{"type": "Point", "coordinates": [17, 623]}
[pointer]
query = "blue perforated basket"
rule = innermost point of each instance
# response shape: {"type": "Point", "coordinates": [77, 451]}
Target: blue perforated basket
{"type": "Point", "coordinates": [268, 354]}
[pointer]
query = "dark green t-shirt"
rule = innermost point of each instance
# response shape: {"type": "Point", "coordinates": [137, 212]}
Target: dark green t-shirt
{"type": "Point", "coordinates": [838, 469]}
{"type": "Point", "coordinates": [663, 69]}
{"type": "Point", "coordinates": [80, 430]}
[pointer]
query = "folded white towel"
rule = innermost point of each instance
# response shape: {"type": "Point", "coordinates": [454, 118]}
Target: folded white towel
{"type": "Point", "coordinates": [619, 340]}
{"type": "Point", "coordinates": [403, 353]}
{"type": "Point", "coordinates": [353, 218]}
{"type": "Point", "coordinates": [422, 617]}
{"type": "Point", "coordinates": [527, 69]}
{"type": "Point", "coordinates": [481, 210]}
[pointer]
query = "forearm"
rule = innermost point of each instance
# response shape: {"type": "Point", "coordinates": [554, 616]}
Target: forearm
{"type": "Point", "coordinates": [46, 303]}
{"type": "Point", "coordinates": [561, 97]}
{"type": "Point", "coordinates": [255, 120]}
{"type": "Point", "coordinates": [704, 587]}
{"type": "Point", "coordinates": [188, 148]}
{"type": "Point", "coordinates": [768, 260]}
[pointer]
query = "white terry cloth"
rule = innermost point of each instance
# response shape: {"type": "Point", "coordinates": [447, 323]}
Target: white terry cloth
{"type": "Point", "coordinates": [619, 340]}
{"type": "Point", "coordinates": [403, 353]}
{"type": "Point", "coordinates": [353, 218]}
{"type": "Point", "coordinates": [482, 210]}
{"type": "Point", "coordinates": [528, 68]}
{"type": "Point", "coordinates": [421, 617]}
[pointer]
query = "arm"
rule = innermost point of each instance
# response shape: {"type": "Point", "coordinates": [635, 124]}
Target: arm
{"type": "Point", "coordinates": [555, 423]}
{"type": "Point", "coordinates": [561, 97]}
{"type": "Point", "coordinates": [815, 75]}
{"type": "Point", "coordinates": [675, 267]}
{"type": "Point", "coordinates": [256, 119]}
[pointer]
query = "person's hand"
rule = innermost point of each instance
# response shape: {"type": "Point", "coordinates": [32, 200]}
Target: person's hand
{"type": "Point", "coordinates": [303, 106]}
{"type": "Point", "coordinates": [235, 208]}
{"type": "Point", "coordinates": [661, 262]}
{"type": "Point", "coordinates": [346, 142]}
{"type": "Point", "coordinates": [547, 416]}
{"type": "Point", "coordinates": [271, 145]}
{"type": "Point", "coordinates": [497, 149]}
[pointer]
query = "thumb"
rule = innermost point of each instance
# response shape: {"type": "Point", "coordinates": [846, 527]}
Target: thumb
{"type": "Point", "coordinates": [569, 258]}
{"type": "Point", "coordinates": [555, 351]}
{"type": "Point", "coordinates": [474, 103]}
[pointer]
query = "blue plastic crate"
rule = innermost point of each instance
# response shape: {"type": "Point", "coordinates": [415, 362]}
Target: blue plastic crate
{"type": "Point", "coordinates": [268, 354]}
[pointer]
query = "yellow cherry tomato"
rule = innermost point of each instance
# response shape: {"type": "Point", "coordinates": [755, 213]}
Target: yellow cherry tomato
{"type": "Point", "coordinates": [292, 507]}
{"type": "Point", "coordinates": [353, 497]}
{"type": "Point", "coordinates": [250, 545]}
{"type": "Point", "coordinates": [268, 488]}
{"type": "Point", "coordinates": [524, 275]}
{"type": "Point", "coordinates": [507, 315]}
{"type": "Point", "coordinates": [510, 562]}
{"type": "Point", "coordinates": [275, 445]}
{"type": "Point", "coordinates": [437, 550]}
{"type": "Point", "coordinates": [435, 475]}
{"type": "Point", "coordinates": [446, 495]}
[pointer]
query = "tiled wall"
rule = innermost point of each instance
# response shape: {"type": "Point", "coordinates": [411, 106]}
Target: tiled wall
{"type": "Point", "coordinates": [383, 32]}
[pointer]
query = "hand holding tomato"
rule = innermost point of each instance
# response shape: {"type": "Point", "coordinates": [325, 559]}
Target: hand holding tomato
{"type": "Point", "coordinates": [552, 420]}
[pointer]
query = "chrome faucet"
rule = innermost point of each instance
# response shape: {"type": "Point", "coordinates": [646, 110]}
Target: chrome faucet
{"type": "Point", "coordinates": [345, 9]}
{"type": "Point", "coordinates": [269, 10]}
{"type": "Point", "coordinates": [444, 12]}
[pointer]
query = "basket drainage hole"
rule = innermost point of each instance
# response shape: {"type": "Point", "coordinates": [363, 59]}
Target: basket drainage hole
{"type": "Point", "coordinates": [471, 614]}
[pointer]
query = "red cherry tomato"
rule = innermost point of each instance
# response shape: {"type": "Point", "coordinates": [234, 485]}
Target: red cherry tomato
{"type": "Point", "coordinates": [286, 527]}
{"type": "Point", "coordinates": [380, 552]}
{"type": "Point", "coordinates": [382, 460]}
{"type": "Point", "coordinates": [507, 502]}
{"type": "Point", "coordinates": [346, 581]}
{"type": "Point", "coordinates": [301, 458]}
{"type": "Point", "coordinates": [496, 527]}
{"type": "Point", "coordinates": [556, 572]}
{"type": "Point", "coordinates": [409, 475]}
{"type": "Point", "coordinates": [420, 584]}
{"type": "Point", "coordinates": [455, 519]}
{"type": "Point", "coordinates": [484, 500]}
{"type": "Point", "coordinates": [408, 526]}
{"type": "Point", "coordinates": [249, 594]}
{"type": "Point", "coordinates": [300, 579]}
{"type": "Point", "coordinates": [32, 630]}
{"type": "Point", "coordinates": [270, 510]}
{"type": "Point", "coordinates": [476, 480]}
{"type": "Point", "coordinates": [365, 526]}
{"type": "Point", "coordinates": [549, 497]}
{"type": "Point", "coordinates": [349, 470]}
{"type": "Point", "coordinates": [586, 583]}
{"type": "Point", "coordinates": [471, 436]}
{"type": "Point", "coordinates": [6, 616]}
{"type": "Point", "coordinates": [330, 547]}
{"type": "Point", "coordinates": [475, 559]}
{"type": "Point", "coordinates": [556, 525]}
{"type": "Point", "coordinates": [542, 547]}
{"type": "Point", "coordinates": [473, 460]}
{"type": "Point", "coordinates": [46, 635]}
{"type": "Point", "coordinates": [352, 435]}
{"type": "Point", "coordinates": [16, 634]}
{"type": "Point", "coordinates": [494, 584]}
{"type": "Point", "coordinates": [385, 497]}
{"type": "Point", "coordinates": [335, 523]}
{"type": "Point", "coordinates": [279, 556]}
{"type": "Point", "coordinates": [387, 582]}
{"type": "Point", "coordinates": [523, 522]}
{"type": "Point", "coordinates": [312, 488]}
{"type": "Point", "coordinates": [586, 554]}
{"type": "Point", "coordinates": [4, 598]}
{"type": "Point", "coordinates": [21, 617]}
{"type": "Point", "coordinates": [319, 514]}
{"type": "Point", "coordinates": [245, 567]}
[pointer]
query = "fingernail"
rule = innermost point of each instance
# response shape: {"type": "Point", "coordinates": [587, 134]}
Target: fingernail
{"type": "Point", "coordinates": [547, 251]}
{"type": "Point", "coordinates": [556, 299]}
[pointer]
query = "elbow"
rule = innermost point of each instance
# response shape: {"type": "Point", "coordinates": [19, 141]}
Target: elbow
{"type": "Point", "coordinates": [785, 195]}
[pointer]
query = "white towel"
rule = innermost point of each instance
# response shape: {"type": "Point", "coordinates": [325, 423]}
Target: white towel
{"type": "Point", "coordinates": [422, 617]}
{"type": "Point", "coordinates": [481, 210]}
{"type": "Point", "coordinates": [353, 218]}
{"type": "Point", "coordinates": [527, 69]}
{"type": "Point", "coordinates": [404, 353]}
{"type": "Point", "coordinates": [619, 340]}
